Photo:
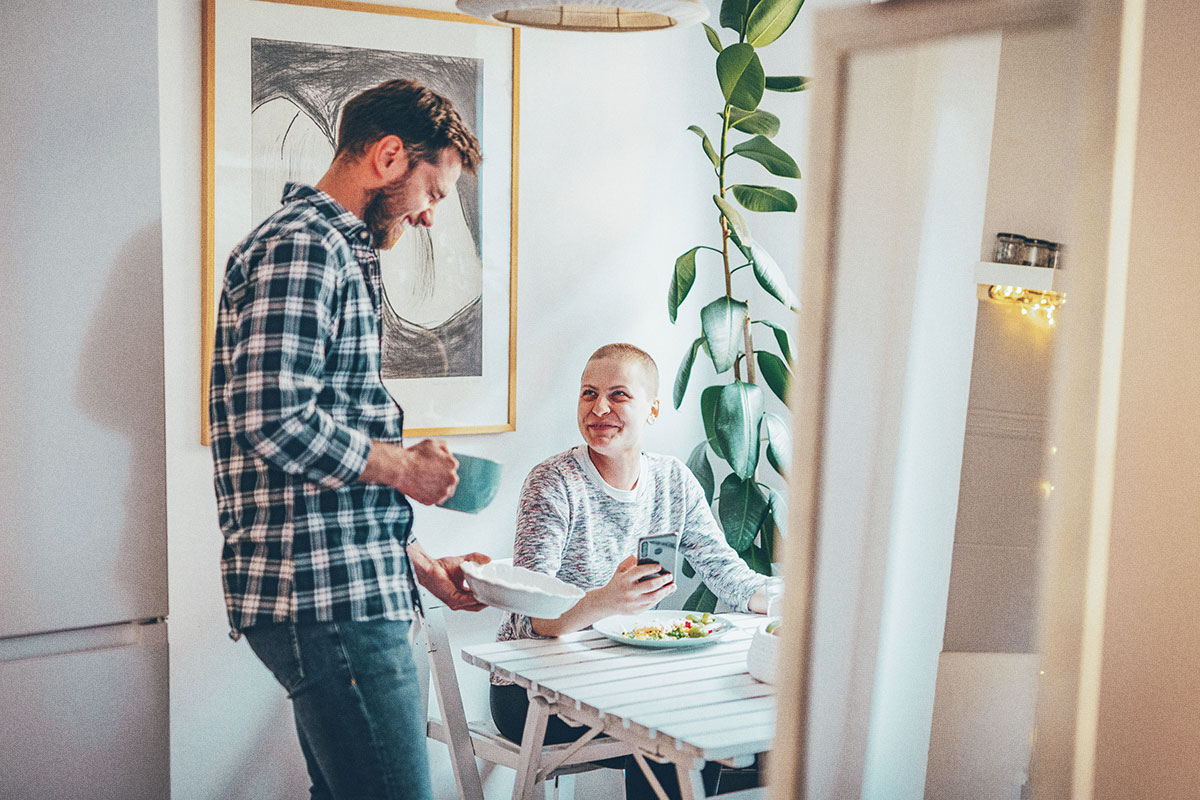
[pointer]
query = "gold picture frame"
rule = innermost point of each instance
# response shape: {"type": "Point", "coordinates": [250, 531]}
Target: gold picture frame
{"type": "Point", "coordinates": [481, 62]}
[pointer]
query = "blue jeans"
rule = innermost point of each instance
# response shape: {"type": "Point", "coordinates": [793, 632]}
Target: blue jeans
{"type": "Point", "coordinates": [357, 705]}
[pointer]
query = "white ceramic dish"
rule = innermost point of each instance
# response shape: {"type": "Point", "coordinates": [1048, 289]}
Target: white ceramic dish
{"type": "Point", "coordinates": [763, 652]}
{"type": "Point", "coordinates": [616, 626]}
{"type": "Point", "coordinates": [519, 590]}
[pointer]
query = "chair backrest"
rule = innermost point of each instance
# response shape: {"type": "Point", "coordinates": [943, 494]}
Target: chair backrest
{"type": "Point", "coordinates": [466, 741]}
{"type": "Point", "coordinates": [457, 733]}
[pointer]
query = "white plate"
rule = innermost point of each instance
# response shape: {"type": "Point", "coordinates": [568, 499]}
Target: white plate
{"type": "Point", "coordinates": [521, 591]}
{"type": "Point", "coordinates": [614, 627]}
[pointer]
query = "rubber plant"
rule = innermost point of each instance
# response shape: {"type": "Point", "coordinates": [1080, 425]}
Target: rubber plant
{"type": "Point", "coordinates": [737, 426]}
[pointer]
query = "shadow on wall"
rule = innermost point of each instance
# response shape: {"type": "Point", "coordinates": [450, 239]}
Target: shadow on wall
{"type": "Point", "coordinates": [274, 768]}
{"type": "Point", "coordinates": [119, 385]}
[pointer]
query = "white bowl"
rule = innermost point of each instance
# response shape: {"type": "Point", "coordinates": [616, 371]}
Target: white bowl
{"type": "Point", "coordinates": [521, 591]}
{"type": "Point", "coordinates": [761, 657]}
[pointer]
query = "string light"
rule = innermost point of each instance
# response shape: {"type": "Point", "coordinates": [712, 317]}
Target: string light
{"type": "Point", "coordinates": [1034, 303]}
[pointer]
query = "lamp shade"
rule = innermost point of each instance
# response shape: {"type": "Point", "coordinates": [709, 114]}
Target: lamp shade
{"type": "Point", "coordinates": [601, 15]}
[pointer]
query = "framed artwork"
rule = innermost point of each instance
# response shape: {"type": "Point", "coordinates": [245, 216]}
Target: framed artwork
{"type": "Point", "coordinates": [276, 75]}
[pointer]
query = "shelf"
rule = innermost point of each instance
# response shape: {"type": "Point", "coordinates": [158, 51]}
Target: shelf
{"type": "Point", "coordinates": [995, 274]}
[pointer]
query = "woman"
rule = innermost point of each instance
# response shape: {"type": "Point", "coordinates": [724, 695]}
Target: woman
{"type": "Point", "coordinates": [580, 515]}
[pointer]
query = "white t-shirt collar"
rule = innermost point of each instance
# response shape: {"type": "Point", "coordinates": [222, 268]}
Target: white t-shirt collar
{"type": "Point", "coordinates": [589, 469]}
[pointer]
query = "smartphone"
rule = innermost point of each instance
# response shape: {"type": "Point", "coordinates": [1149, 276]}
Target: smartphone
{"type": "Point", "coordinates": [661, 549]}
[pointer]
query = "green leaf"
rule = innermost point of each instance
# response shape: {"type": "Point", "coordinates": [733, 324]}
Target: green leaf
{"type": "Point", "coordinates": [708, 412]}
{"type": "Point", "coordinates": [786, 83]}
{"type": "Point", "coordinates": [770, 155]}
{"type": "Point", "coordinates": [779, 443]}
{"type": "Point", "coordinates": [698, 463]}
{"type": "Point", "coordinates": [762, 122]}
{"type": "Point", "coordinates": [681, 282]}
{"type": "Point", "coordinates": [770, 19]}
{"type": "Point", "coordinates": [766, 536]}
{"type": "Point", "coordinates": [734, 14]}
{"type": "Point", "coordinates": [770, 277]}
{"type": "Point", "coordinates": [757, 559]}
{"type": "Point", "coordinates": [701, 600]}
{"type": "Point", "coordinates": [713, 38]}
{"type": "Point", "coordinates": [685, 372]}
{"type": "Point", "coordinates": [781, 338]}
{"type": "Point", "coordinates": [776, 511]}
{"type": "Point", "coordinates": [736, 222]}
{"type": "Point", "coordinates": [688, 570]}
{"type": "Point", "coordinates": [741, 76]}
{"type": "Point", "coordinates": [774, 372]}
{"type": "Point", "coordinates": [707, 145]}
{"type": "Point", "coordinates": [722, 321]}
{"type": "Point", "coordinates": [739, 411]}
{"type": "Point", "coordinates": [741, 509]}
{"type": "Point", "coordinates": [763, 198]}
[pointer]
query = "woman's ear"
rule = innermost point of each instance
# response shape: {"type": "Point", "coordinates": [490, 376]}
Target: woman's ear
{"type": "Point", "coordinates": [653, 413]}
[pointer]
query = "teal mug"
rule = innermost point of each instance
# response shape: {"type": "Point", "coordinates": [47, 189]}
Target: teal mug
{"type": "Point", "coordinates": [478, 482]}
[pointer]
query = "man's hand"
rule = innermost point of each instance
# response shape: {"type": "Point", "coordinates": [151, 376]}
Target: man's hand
{"type": "Point", "coordinates": [443, 577]}
{"type": "Point", "coordinates": [426, 472]}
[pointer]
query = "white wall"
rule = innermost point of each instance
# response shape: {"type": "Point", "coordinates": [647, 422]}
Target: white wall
{"type": "Point", "coordinates": [612, 189]}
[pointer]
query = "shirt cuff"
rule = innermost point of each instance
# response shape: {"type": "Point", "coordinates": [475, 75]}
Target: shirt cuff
{"type": "Point", "coordinates": [743, 602]}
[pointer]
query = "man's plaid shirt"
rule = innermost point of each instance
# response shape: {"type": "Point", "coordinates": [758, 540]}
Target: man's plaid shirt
{"type": "Point", "coordinates": [296, 399]}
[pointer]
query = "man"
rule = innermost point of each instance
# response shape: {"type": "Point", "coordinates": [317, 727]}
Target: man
{"type": "Point", "coordinates": [311, 476]}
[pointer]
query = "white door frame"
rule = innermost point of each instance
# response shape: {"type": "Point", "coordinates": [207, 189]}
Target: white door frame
{"type": "Point", "coordinates": [1087, 362]}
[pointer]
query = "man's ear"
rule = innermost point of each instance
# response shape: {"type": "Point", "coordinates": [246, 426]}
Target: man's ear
{"type": "Point", "coordinates": [389, 157]}
{"type": "Point", "coordinates": [653, 413]}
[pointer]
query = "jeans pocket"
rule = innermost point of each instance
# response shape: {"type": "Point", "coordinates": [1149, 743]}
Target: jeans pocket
{"type": "Point", "coordinates": [278, 646]}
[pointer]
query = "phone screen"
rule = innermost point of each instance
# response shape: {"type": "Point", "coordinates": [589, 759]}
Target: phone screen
{"type": "Point", "coordinates": [662, 549]}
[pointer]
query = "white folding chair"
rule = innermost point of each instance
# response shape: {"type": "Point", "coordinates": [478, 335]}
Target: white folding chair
{"type": "Point", "coordinates": [470, 740]}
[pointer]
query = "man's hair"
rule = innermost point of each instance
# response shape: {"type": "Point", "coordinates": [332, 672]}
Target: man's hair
{"type": "Point", "coordinates": [630, 354]}
{"type": "Point", "coordinates": [424, 120]}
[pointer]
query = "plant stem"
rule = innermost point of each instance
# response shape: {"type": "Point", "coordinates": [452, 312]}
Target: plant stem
{"type": "Point", "coordinates": [750, 372]}
{"type": "Point", "coordinates": [721, 193]}
{"type": "Point", "coordinates": [737, 373]}
{"type": "Point", "coordinates": [749, 340]}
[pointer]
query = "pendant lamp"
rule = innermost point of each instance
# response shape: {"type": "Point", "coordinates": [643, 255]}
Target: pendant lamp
{"type": "Point", "coordinates": [596, 15]}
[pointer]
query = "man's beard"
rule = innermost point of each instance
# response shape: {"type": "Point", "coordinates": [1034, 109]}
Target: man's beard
{"type": "Point", "coordinates": [382, 212]}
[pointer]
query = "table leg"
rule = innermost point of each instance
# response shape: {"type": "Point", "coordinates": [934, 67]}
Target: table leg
{"type": "Point", "coordinates": [531, 748]}
{"type": "Point", "coordinates": [651, 778]}
{"type": "Point", "coordinates": [691, 787]}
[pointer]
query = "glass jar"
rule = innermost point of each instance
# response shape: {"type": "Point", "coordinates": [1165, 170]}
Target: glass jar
{"type": "Point", "coordinates": [1037, 251]}
{"type": "Point", "coordinates": [1009, 248]}
{"type": "Point", "coordinates": [1054, 255]}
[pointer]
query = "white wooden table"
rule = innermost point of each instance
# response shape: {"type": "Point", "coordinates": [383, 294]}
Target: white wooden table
{"type": "Point", "coordinates": [683, 706]}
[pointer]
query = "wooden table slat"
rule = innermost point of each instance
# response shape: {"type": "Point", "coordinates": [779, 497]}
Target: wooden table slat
{"type": "Point", "coordinates": [647, 691]}
{"type": "Point", "coordinates": [562, 642]}
{"type": "Point", "coordinates": [597, 661]}
{"type": "Point", "coordinates": [715, 746]}
{"type": "Point", "coordinates": [543, 659]}
{"type": "Point", "coordinates": [734, 661]}
{"type": "Point", "coordinates": [687, 728]}
{"type": "Point", "coordinates": [640, 710]}
{"type": "Point", "coordinates": [716, 716]}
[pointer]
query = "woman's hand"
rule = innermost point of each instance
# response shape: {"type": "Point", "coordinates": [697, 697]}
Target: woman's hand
{"type": "Point", "coordinates": [623, 594]}
{"type": "Point", "coordinates": [634, 587]}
